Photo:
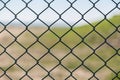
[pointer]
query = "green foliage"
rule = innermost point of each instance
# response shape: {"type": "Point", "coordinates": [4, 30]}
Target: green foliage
{"type": "Point", "coordinates": [71, 38]}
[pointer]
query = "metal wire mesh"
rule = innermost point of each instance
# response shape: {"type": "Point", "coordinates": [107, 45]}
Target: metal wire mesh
{"type": "Point", "coordinates": [57, 53]}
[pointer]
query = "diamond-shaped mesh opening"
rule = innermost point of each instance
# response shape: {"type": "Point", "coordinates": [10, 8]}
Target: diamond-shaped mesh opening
{"type": "Point", "coordinates": [115, 20]}
{"type": "Point", "coordinates": [26, 39]}
{"type": "Point", "coordinates": [93, 62]}
{"type": "Point", "coordinates": [37, 28]}
{"type": "Point", "coordinates": [15, 72]}
{"type": "Point", "coordinates": [6, 16]}
{"type": "Point", "coordinates": [37, 73]}
{"type": "Point", "coordinates": [71, 39]}
{"type": "Point", "coordinates": [17, 4]}
{"type": "Point", "coordinates": [113, 16]}
{"type": "Point", "coordinates": [48, 61]}
{"type": "Point", "coordinates": [26, 16]}
{"type": "Point", "coordinates": [84, 30]}
{"type": "Point", "coordinates": [49, 39]}
{"type": "Point", "coordinates": [15, 50]}
{"type": "Point", "coordinates": [73, 16]}
{"type": "Point", "coordinates": [105, 54]}
{"type": "Point", "coordinates": [105, 30]}
{"type": "Point", "coordinates": [48, 16]}
{"type": "Point", "coordinates": [59, 29]}
{"type": "Point", "coordinates": [114, 40]}
{"type": "Point", "coordinates": [59, 73]}
{"type": "Point", "coordinates": [82, 8]}
{"type": "Point", "coordinates": [26, 61]}
{"type": "Point", "coordinates": [6, 38]}
{"type": "Point", "coordinates": [37, 6]}
{"type": "Point", "coordinates": [6, 61]}
{"type": "Point", "coordinates": [94, 40]}
{"type": "Point", "coordinates": [97, 16]}
{"type": "Point", "coordinates": [81, 23]}
{"type": "Point", "coordinates": [82, 73]}
{"type": "Point", "coordinates": [60, 50]}
{"type": "Point", "coordinates": [56, 5]}
{"type": "Point", "coordinates": [104, 74]}
{"type": "Point", "coordinates": [15, 29]}
{"type": "Point", "coordinates": [108, 6]}
{"type": "Point", "coordinates": [37, 50]}
{"type": "Point", "coordinates": [82, 51]}
{"type": "Point", "coordinates": [71, 62]}
{"type": "Point", "coordinates": [114, 63]}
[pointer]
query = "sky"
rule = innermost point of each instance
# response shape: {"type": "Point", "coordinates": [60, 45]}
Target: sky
{"type": "Point", "coordinates": [70, 16]}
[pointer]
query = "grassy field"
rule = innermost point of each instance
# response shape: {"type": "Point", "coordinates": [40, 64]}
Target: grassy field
{"type": "Point", "coordinates": [61, 42]}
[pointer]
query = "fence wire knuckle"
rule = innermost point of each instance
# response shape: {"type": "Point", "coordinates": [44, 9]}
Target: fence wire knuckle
{"type": "Point", "coordinates": [50, 52]}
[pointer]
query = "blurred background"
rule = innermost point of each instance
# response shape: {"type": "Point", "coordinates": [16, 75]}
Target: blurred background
{"type": "Point", "coordinates": [59, 39]}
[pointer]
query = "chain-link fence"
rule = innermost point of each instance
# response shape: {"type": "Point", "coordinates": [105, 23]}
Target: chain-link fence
{"type": "Point", "coordinates": [50, 52]}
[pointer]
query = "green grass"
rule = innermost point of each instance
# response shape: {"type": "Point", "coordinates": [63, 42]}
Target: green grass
{"type": "Point", "coordinates": [105, 28]}
{"type": "Point", "coordinates": [78, 34]}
